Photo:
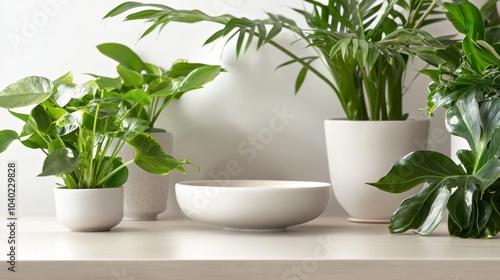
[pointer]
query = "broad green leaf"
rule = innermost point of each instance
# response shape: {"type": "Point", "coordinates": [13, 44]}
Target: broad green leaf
{"type": "Point", "coordinates": [55, 113]}
{"type": "Point", "coordinates": [6, 138]}
{"type": "Point", "coordinates": [464, 120]}
{"type": "Point", "coordinates": [130, 77]}
{"type": "Point", "coordinates": [484, 213]}
{"type": "Point", "coordinates": [55, 145]}
{"type": "Point", "coordinates": [151, 158]}
{"type": "Point", "coordinates": [413, 211]}
{"type": "Point", "coordinates": [123, 55]}
{"type": "Point", "coordinates": [65, 79]}
{"type": "Point", "coordinates": [490, 116]}
{"type": "Point", "coordinates": [59, 162]}
{"type": "Point", "coordinates": [133, 127]}
{"type": "Point", "coordinates": [35, 141]}
{"type": "Point", "coordinates": [107, 82]}
{"type": "Point", "coordinates": [106, 125]}
{"type": "Point", "coordinates": [137, 96]}
{"type": "Point", "coordinates": [416, 168]}
{"type": "Point", "coordinates": [436, 212]}
{"type": "Point", "coordinates": [117, 179]}
{"type": "Point", "coordinates": [466, 18]}
{"type": "Point", "coordinates": [479, 58]}
{"type": "Point", "coordinates": [467, 159]}
{"type": "Point", "coordinates": [42, 118]}
{"type": "Point", "coordinates": [460, 203]}
{"type": "Point", "coordinates": [69, 123]}
{"type": "Point", "coordinates": [21, 116]}
{"type": "Point", "coordinates": [199, 77]}
{"type": "Point", "coordinates": [182, 68]}
{"type": "Point", "coordinates": [25, 92]}
{"type": "Point", "coordinates": [66, 92]}
{"type": "Point", "coordinates": [488, 173]}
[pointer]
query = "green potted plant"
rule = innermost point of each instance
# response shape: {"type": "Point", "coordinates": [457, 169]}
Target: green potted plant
{"type": "Point", "coordinates": [365, 47]}
{"type": "Point", "coordinates": [81, 129]}
{"type": "Point", "coordinates": [149, 89]}
{"type": "Point", "coordinates": [469, 88]}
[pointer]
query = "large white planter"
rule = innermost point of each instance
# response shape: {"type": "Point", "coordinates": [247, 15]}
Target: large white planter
{"type": "Point", "coordinates": [364, 151]}
{"type": "Point", "coordinates": [146, 194]}
{"type": "Point", "coordinates": [89, 209]}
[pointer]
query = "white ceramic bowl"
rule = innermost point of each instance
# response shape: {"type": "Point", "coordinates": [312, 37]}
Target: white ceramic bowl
{"type": "Point", "coordinates": [253, 204]}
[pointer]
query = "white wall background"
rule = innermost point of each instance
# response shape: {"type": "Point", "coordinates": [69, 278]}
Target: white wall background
{"type": "Point", "coordinates": [50, 37]}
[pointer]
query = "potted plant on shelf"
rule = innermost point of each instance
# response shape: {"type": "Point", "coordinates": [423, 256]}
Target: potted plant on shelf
{"type": "Point", "coordinates": [365, 46]}
{"type": "Point", "coordinates": [81, 129]}
{"type": "Point", "coordinates": [469, 88]}
{"type": "Point", "coordinates": [149, 90]}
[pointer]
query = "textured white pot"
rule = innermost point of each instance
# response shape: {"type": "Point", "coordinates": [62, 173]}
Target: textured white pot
{"type": "Point", "coordinates": [146, 194]}
{"type": "Point", "coordinates": [364, 151]}
{"type": "Point", "coordinates": [89, 209]}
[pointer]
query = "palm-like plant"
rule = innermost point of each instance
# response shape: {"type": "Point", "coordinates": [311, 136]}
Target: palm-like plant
{"type": "Point", "coordinates": [364, 44]}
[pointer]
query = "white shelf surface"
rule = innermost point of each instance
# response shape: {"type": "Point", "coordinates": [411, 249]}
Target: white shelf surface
{"type": "Point", "coordinates": [327, 248]}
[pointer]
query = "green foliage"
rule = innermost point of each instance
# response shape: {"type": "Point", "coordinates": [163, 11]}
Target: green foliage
{"type": "Point", "coordinates": [149, 85]}
{"type": "Point", "coordinates": [467, 85]}
{"type": "Point", "coordinates": [365, 45]}
{"type": "Point", "coordinates": [81, 128]}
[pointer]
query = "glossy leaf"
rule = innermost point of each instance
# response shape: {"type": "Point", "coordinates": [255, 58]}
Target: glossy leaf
{"type": "Point", "coordinates": [116, 180]}
{"type": "Point", "coordinates": [25, 92]}
{"type": "Point", "coordinates": [64, 79]}
{"type": "Point", "coordinates": [416, 168]}
{"type": "Point", "coordinates": [6, 138]}
{"type": "Point", "coordinates": [35, 141]}
{"type": "Point", "coordinates": [137, 96]}
{"type": "Point", "coordinates": [123, 55]}
{"type": "Point", "coordinates": [69, 123]}
{"type": "Point", "coordinates": [59, 162]}
{"type": "Point", "coordinates": [436, 212]}
{"type": "Point", "coordinates": [460, 203]}
{"type": "Point", "coordinates": [66, 92]}
{"type": "Point", "coordinates": [413, 211]}
{"type": "Point", "coordinates": [130, 77]}
{"type": "Point", "coordinates": [151, 158]}
{"type": "Point", "coordinates": [466, 18]}
{"type": "Point", "coordinates": [464, 120]}
{"type": "Point", "coordinates": [199, 77]}
{"type": "Point", "coordinates": [42, 118]}
{"type": "Point", "coordinates": [133, 127]}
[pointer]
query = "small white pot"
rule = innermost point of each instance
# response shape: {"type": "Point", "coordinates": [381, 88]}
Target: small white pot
{"type": "Point", "coordinates": [364, 151]}
{"type": "Point", "coordinates": [89, 209]}
{"type": "Point", "coordinates": [146, 194]}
